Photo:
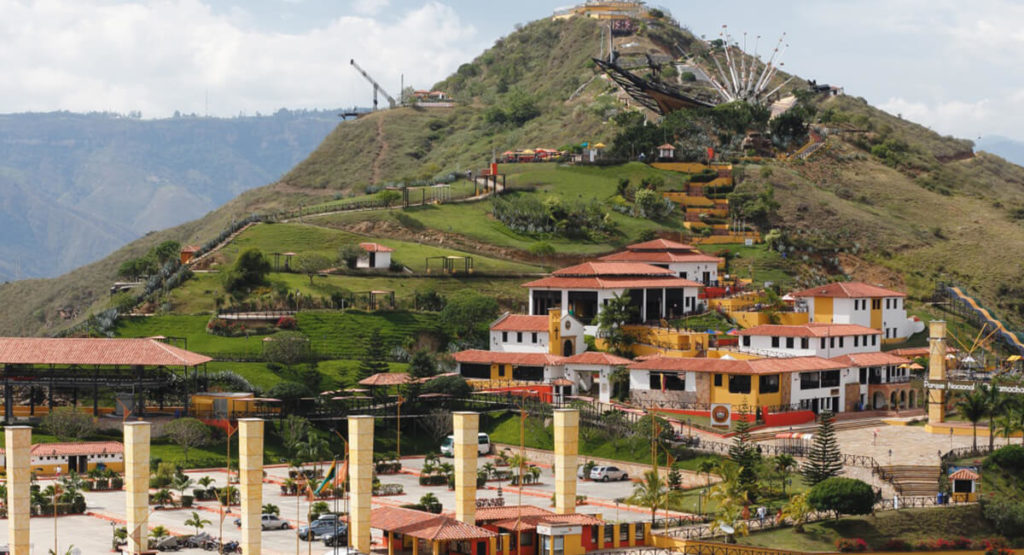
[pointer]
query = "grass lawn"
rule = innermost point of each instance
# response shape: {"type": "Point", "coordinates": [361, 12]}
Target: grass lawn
{"type": "Point", "coordinates": [756, 262]}
{"type": "Point", "coordinates": [305, 238]}
{"type": "Point", "coordinates": [193, 329]}
{"type": "Point", "coordinates": [911, 525]}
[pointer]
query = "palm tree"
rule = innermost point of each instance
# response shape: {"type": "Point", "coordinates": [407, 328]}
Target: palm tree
{"type": "Point", "coordinates": [314, 450]}
{"type": "Point", "coordinates": [706, 467]}
{"type": "Point", "coordinates": [1009, 424]}
{"type": "Point", "coordinates": [162, 497]}
{"type": "Point", "coordinates": [653, 492]}
{"type": "Point", "coordinates": [489, 468]}
{"type": "Point", "coordinates": [972, 407]}
{"type": "Point", "coordinates": [72, 482]}
{"type": "Point", "coordinates": [798, 510]}
{"type": "Point", "coordinates": [197, 522]}
{"type": "Point", "coordinates": [271, 509]}
{"type": "Point", "coordinates": [158, 532]}
{"type": "Point", "coordinates": [205, 482]}
{"type": "Point", "coordinates": [995, 403]}
{"type": "Point", "coordinates": [182, 483]}
{"type": "Point", "coordinates": [730, 489]}
{"type": "Point", "coordinates": [784, 463]}
{"type": "Point", "coordinates": [731, 514]}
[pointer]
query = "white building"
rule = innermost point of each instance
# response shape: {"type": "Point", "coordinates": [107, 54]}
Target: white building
{"type": "Point", "coordinates": [815, 339]}
{"type": "Point", "coordinates": [522, 333]}
{"type": "Point", "coordinates": [655, 293]}
{"type": "Point", "coordinates": [374, 256]}
{"type": "Point", "coordinates": [592, 371]}
{"type": "Point", "coordinates": [684, 260]}
{"type": "Point", "coordinates": [862, 304]}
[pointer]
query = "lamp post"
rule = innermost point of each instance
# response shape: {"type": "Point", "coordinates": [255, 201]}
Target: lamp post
{"type": "Point", "coordinates": [55, 486]}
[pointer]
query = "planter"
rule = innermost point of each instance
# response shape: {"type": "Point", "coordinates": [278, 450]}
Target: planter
{"type": "Point", "coordinates": [186, 501]}
{"type": "Point", "coordinates": [116, 483]}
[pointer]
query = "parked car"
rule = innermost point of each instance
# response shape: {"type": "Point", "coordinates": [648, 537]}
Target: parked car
{"type": "Point", "coordinates": [337, 539]}
{"type": "Point", "coordinates": [268, 522]}
{"type": "Point", "coordinates": [581, 472]}
{"type": "Point", "coordinates": [319, 527]}
{"type": "Point", "coordinates": [607, 473]}
{"type": "Point", "coordinates": [483, 446]}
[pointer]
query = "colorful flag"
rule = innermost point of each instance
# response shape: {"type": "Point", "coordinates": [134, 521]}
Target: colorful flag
{"type": "Point", "coordinates": [328, 478]}
{"type": "Point", "coordinates": [711, 154]}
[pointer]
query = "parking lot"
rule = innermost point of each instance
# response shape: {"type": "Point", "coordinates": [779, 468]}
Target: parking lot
{"type": "Point", "coordinates": [92, 533]}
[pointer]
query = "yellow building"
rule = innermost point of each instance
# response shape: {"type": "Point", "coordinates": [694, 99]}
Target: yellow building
{"type": "Point", "coordinates": [231, 405]}
{"type": "Point", "coordinates": [863, 304]}
{"type": "Point", "coordinates": [81, 457]}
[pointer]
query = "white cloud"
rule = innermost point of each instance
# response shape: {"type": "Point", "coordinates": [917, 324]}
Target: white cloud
{"type": "Point", "coordinates": [369, 7]}
{"type": "Point", "coordinates": [165, 55]}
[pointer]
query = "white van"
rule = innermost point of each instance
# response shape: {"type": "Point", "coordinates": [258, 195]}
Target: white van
{"type": "Point", "coordinates": [483, 446]}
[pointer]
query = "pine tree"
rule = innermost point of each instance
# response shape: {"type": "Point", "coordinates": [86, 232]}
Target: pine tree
{"type": "Point", "coordinates": [824, 461]}
{"type": "Point", "coordinates": [374, 358]}
{"type": "Point", "coordinates": [744, 453]}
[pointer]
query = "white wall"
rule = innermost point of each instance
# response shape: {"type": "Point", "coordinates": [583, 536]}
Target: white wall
{"type": "Point", "coordinates": [513, 346]}
{"type": "Point", "coordinates": [762, 345]}
{"type": "Point", "coordinates": [694, 271]}
{"type": "Point", "coordinates": [846, 375]}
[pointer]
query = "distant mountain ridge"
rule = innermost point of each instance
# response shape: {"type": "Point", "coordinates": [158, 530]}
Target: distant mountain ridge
{"type": "Point", "coordinates": [1009, 149]}
{"type": "Point", "coordinates": [75, 187]}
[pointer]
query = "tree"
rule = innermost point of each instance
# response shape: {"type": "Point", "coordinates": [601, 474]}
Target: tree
{"type": "Point", "coordinates": [653, 492]}
{"type": "Point", "coordinates": [312, 264]}
{"type": "Point", "coordinates": [197, 522]}
{"type": "Point", "coordinates": [271, 509]}
{"type": "Point", "coordinates": [286, 347]}
{"type": "Point", "coordinates": [69, 424]}
{"type": "Point", "coordinates": [995, 404]}
{"type": "Point", "coordinates": [250, 270]}
{"type": "Point", "coordinates": [349, 254]}
{"type": "Point", "coordinates": [374, 357]}
{"type": "Point", "coordinates": [158, 532]}
{"type": "Point", "coordinates": [388, 197]}
{"type": "Point", "coordinates": [467, 315]}
{"type": "Point", "coordinates": [167, 251]}
{"type": "Point", "coordinates": [315, 449]}
{"type": "Point", "coordinates": [847, 496]}
{"type": "Point", "coordinates": [290, 393]}
{"type": "Point", "coordinates": [824, 461]}
{"type": "Point", "coordinates": [182, 483]}
{"type": "Point", "coordinates": [744, 453]}
{"type": "Point", "coordinates": [454, 386]}
{"type": "Point", "coordinates": [187, 433]}
{"type": "Point", "coordinates": [619, 380]}
{"type": "Point", "coordinates": [293, 431]}
{"type": "Point", "coordinates": [611, 324]}
{"type": "Point", "coordinates": [784, 464]}
{"type": "Point", "coordinates": [437, 423]}
{"type": "Point", "coordinates": [972, 407]}
{"type": "Point", "coordinates": [797, 510]}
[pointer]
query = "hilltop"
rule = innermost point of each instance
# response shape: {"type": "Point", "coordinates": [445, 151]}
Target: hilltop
{"type": "Point", "coordinates": [884, 200]}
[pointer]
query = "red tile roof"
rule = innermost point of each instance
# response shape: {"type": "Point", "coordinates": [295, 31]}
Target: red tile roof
{"type": "Point", "coordinates": [521, 322]}
{"type": "Point", "coordinates": [724, 366]}
{"type": "Point", "coordinates": [95, 352]}
{"type": "Point", "coordinates": [375, 247]}
{"type": "Point", "coordinates": [531, 522]}
{"type": "Point", "coordinates": [660, 257]}
{"type": "Point", "coordinates": [660, 245]}
{"type": "Point", "coordinates": [870, 359]}
{"type": "Point", "coordinates": [964, 474]}
{"type": "Point", "coordinates": [558, 282]}
{"type": "Point", "coordinates": [598, 358]}
{"type": "Point", "coordinates": [589, 269]}
{"type": "Point", "coordinates": [848, 290]}
{"type": "Point", "coordinates": [386, 378]}
{"type": "Point", "coordinates": [813, 329]}
{"type": "Point", "coordinates": [477, 356]}
{"type": "Point", "coordinates": [666, 146]}
{"type": "Point", "coordinates": [487, 514]}
{"type": "Point", "coordinates": [425, 526]}
{"type": "Point", "coordinates": [80, 448]}
{"type": "Point", "coordinates": [915, 352]}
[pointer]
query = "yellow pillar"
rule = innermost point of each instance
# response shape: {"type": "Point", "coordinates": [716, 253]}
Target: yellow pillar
{"type": "Point", "coordinates": [250, 482]}
{"type": "Point", "coordinates": [415, 546]}
{"type": "Point", "coordinates": [567, 427]}
{"type": "Point", "coordinates": [554, 331]}
{"type": "Point", "coordinates": [391, 543]}
{"type": "Point", "coordinates": [600, 536]}
{"type": "Point", "coordinates": [506, 539]}
{"type": "Point", "coordinates": [360, 442]}
{"type": "Point", "coordinates": [136, 483]}
{"type": "Point", "coordinates": [19, 476]}
{"type": "Point", "coordinates": [936, 370]}
{"type": "Point", "coordinates": [466, 426]}
{"type": "Point", "coordinates": [436, 547]}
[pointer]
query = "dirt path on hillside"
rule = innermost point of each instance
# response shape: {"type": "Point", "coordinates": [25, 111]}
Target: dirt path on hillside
{"type": "Point", "coordinates": [382, 151]}
{"type": "Point", "coordinates": [862, 270]}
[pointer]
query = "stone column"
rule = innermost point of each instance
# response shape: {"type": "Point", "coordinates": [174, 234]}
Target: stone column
{"type": "Point", "coordinates": [360, 444]}
{"type": "Point", "coordinates": [466, 425]}
{"type": "Point", "coordinates": [936, 370]}
{"type": "Point", "coordinates": [567, 431]}
{"type": "Point", "coordinates": [19, 475]}
{"type": "Point", "coordinates": [136, 483]}
{"type": "Point", "coordinates": [250, 482]}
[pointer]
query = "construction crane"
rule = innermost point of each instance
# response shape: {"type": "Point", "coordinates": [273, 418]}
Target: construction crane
{"type": "Point", "coordinates": [376, 87]}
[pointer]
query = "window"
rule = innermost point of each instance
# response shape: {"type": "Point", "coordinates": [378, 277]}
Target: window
{"type": "Point", "coordinates": [668, 381]}
{"type": "Point", "coordinates": [476, 371]}
{"type": "Point", "coordinates": [840, 342]}
{"type": "Point", "coordinates": [638, 533]}
{"type": "Point", "coordinates": [874, 340]}
{"type": "Point", "coordinates": [831, 342]}
{"type": "Point", "coordinates": [533, 337]}
{"type": "Point", "coordinates": [739, 384]}
{"type": "Point", "coordinates": [718, 380]}
{"type": "Point", "coordinates": [775, 342]}
{"type": "Point", "coordinates": [863, 376]}
{"type": "Point", "coordinates": [822, 342]}
{"type": "Point", "coordinates": [623, 533]}
{"type": "Point", "coordinates": [768, 384]}
{"type": "Point", "coordinates": [789, 342]}
{"type": "Point", "coordinates": [856, 340]}
{"type": "Point", "coordinates": [609, 534]}
{"type": "Point", "coordinates": [810, 380]}
{"type": "Point", "coordinates": [805, 343]}
{"type": "Point", "coordinates": [876, 304]}
{"type": "Point", "coordinates": [746, 340]}
{"type": "Point", "coordinates": [528, 373]}
{"type": "Point", "coordinates": [830, 378]}
{"type": "Point", "coordinates": [504, 337]}
{"type": "Point", "coordinates": [519, 337]}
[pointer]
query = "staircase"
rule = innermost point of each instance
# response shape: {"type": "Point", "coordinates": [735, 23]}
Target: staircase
{"type": "Point", "coordinates": [915, 481]}
{"type": "Point", "coordinates": [810, 428]}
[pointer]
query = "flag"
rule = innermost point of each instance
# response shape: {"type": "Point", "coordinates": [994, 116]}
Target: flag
{"type": "Point", "coordinates": [328, 478]}
{"type": "Point", "coordinates": [711, 153]}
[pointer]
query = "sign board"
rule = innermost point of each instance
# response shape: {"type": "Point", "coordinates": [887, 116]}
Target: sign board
{"type": "Point", "coordinates": [559, 530]}
{"type": "Point", "coordinates": [748, 242]}
{"type": "Point", "coordinates": [721, 414]}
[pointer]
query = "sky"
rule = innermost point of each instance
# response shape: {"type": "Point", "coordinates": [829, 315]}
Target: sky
{"type": "Point", "coordinates": [948, 64]}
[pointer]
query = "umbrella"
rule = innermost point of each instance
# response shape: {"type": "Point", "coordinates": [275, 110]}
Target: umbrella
{"type": "Point", "coordinates": [733, 331]}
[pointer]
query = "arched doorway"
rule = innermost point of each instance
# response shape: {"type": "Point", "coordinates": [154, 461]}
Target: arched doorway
{"type": "Point", "coordinates": [568, 348]}
{"type": "Point", "coordinates": [893, 401]}
{"type": "Point", "coordinates": [903, 399]}
{"type": "Point", "coordinates": [878, 403]}
{"type": "Point", "coordinates": [913, 399]}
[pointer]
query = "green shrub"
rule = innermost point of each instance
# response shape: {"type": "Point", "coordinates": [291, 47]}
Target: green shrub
{"type": "Point", "coordinates": [842, 496]}
{"type": "Point", "coordinates": [1006, 515]}
{"type": "Point", "coordinates": [1010, 457]}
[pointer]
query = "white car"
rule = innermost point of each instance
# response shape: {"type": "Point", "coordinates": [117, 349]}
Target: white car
{"type": "Point", "coordinates": [483, 445]}
{"type": "Point", "coordinates": [607, 473]}
{"type": "Point", "coordinates": [268, 522]}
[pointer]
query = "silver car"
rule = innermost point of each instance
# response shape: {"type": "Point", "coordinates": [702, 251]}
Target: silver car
{"type": "Point", "coordinates": [607, 473]}
{"type": "Point", "coordinates": [268, 522]}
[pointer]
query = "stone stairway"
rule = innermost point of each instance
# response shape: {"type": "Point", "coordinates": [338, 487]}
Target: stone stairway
{"type": "Point", "coordinates": [813, 427]}
{"type": "Point", "coordinates": [915, 481]}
